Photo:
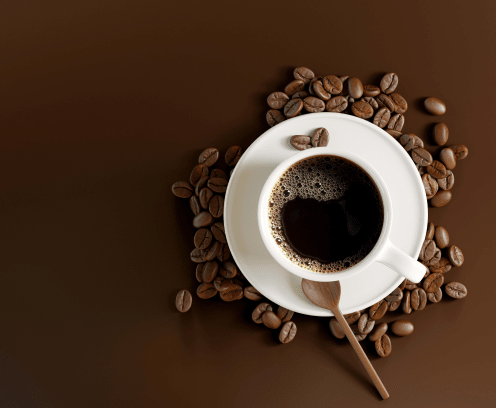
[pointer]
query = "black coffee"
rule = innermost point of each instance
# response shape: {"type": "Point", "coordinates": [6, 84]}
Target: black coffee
{"type": "Point", "coordinates": [326, 213]}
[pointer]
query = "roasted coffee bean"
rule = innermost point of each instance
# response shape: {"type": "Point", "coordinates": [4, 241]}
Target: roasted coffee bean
{"type": "Point", "coordinates": [402, 284]}
{"type": "Point", "coordinates": [253, 294]}
{"type": "Point", "coordinates": [203, 238]}
{"type": "Point", "coordinates": [352, 317]}
{"type": "Point", "coordinates": [379, 330]}
{"type": "Point", "coordinates": [205, 195]}
{"type": "Point", "coordinates": [337, 104]}
{"type": "Point", "coordinates": [443, 266]}
{"type": "Point", "coordinates": [197, 255]}
{"type": "Point", "coordinates": [228, 269]}
{"type": "Point", "coordinates": [385, 101]}
{"type": "Point", "coordinates": [194, 204]}
{"type": "Point", "coordinates": [274, 117]}
{"type": "Point", "coordinates": [407, 141]}
{"type": "Point", "coordinates": [209, 271]}
{"type": "Point", "coordinates": [217, 184]}
{"type": "Point", "coordinates": [294, 86]}
{"type": "Point", "coordinates": [441, 198]}
{"type": "Point", "coordinates": [389, 82]}
{"type": "Point", "coordinates": [271, 320]}
{"type": "Point", "coordinates": [437, 170]}
{"type": "Point", "coordinates": [392, 306]}
{"type": "Point", "coordinates": [224, 253]}
{"type": "Point", "coordinates": [287, 333]}
{"type": "Point", "coordinates": [221, 283]}
{"type": "Point", "coordinates": [378, 310]}
{"type": "Point", "coordinates": [182, 189]}
{"type": "Point", "coordinates": [447, 157]}
{"type": "Point", "coordinates": [301, 142]}
{"type": "Point", "coordinates": [212, 251]}
{"type": "Point", "coordinates": [362, 110]}
{"type": "Point", "coordinates": [233, 292]}
{"type": "Point", "coordinates": [456, 290]}
{"type": "Point", "coordinates": [435, 297]}
{"type": "Point", "coordinates": [344, 79]}
{"type": "Point", "coordinates": [183, 301]}
{"type": "Point", "coordinates": [383, 346]}
{"type": "Point", "coordinates": [320, 137]}
{"type": "Point", "coordinates": [198, 172]}
{"type": "Point", "coordinates": [430, 185]}
{"type": "Point", "coordinates": [355, 87]}
{"type": "Point", "coordinates": [200, 184]}
{"type": "Point", "coordinates": [461, 151]}
{"type": "Point", "coordinates": [233, 155]}
{"type": "Point", "coordinates": [332, 84]}
{"type": "Point", "coordinates": [428, 249]}
{"type": "Point", "coordinates": [277, 100]}
{"type": "Point", "coordinates": [440, 133]}
{"type": "Point", "coordinates": [310, 85]}
{"type": "Point", "coordinates": [395, 295]}
{"type": "Point", "coordinates": [382, 117]}
{"type": "Point", "coordinates": [365, 325]}
{"type": "Point", "coordinates": [402, 328]}
{"type": "Point", "coordinates": [304, 74]}
{"type": "Point", "coordinates": [433, 282]}
{"type": "Point", "coordinates": [218, 232]}
{"type": "Point", "coordinates": [351, 101]}
{"type": "Point", "coordinates": [435, 106]}
{"type": "Point", "coordinates": [410, 285]}
{"type": "Point", "coordinates": [293, 107]}
{"type": "Point", "coordinates": [336, 329]}
{"type": "Point", "coordinates": [320, 91]}
{"type": "Point", "coordinates": [455, 256]}
{"type": "Point", "coordinates": [371, 90]}
{"type": "Point", "coordinates": [405, 303]}
{"type": "Point", "coordinates": [418, 299]}
{"type": "Point", "coordinates": [418, 142]}
{"type": "Point", "coordinates": [400, 104]}
{"type": "Point", "coordinates": [359, 336]}
{"type": "Point", "coordinates": [396, 122]}
{"type": "Point", "coordinates": [199, 272]}
{"type": "Point", "coordinates": [442, 237]}
{"type": "Point", "coordinates": [396, 134]}
{"type": "Point", "coordinates": [216, 206]}
{"type": "Point", "coordinates": [285, 314]}
{"type": "Point", "coordinates": [435, 259]}
{"type": "Point", "coordinates": [203, 219]}
{"type": "Point", "coordinates": [313, 104]}
{"type": "Point", "coordinates": [208, 157]}
{"type": "Point", "coordinates": [259, 311]}
{"type": "Point", "coordinates": [218, 173]}
{"type": "Point", "coordinates": [447, 182]}
{"type": "Point", "coordinates": [421, 156]}
{"type": "Point", "coordinates": [300, 95]}
{"type": "Point", "coordinates": [371, 101]}
{"type": "Point", "coordinates": [206, 290]}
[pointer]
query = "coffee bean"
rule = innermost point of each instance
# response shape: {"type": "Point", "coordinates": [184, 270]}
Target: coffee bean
{"type": "Point", "coordinates": [293, 107]}
{"type": "Point", "coordinates": [443, 266]}
{"type": "Point", "coordinates": [395, 295]}
{"type": "Point", "coordinates": [206, 290]}
{"type": "Point", "coordinates": [203, 238]}
{"type": "Point", "coordinates": [221, 283]}
{"type": "Point", "coordinates": [461, 151]}
{"type": "Point", "coordinates": [362, 109]}
{"type": "Point", "coordinates": [277, 100]}
{"type": "Point", "coordinates": [218, 232]}
{"type": "Point", "coordinates": [435, 297]}
{"type": "Point", "coordinates": [205, 195]}
{"type": "Point", "coordinates": [402, 328]}
{"type": "Point", "coordinates": [456, 290]}
{"type": "Point", "coordinates": [421, 156]}
{"type": "Point", "coordinates": [440, 133]}
{"type": "Point", "coordinates": [392, 306]}
{"type": "Point", "coordinates": [301, 142]}
{"type": "Point", "coordinates": [396, 134]}
{"type": "Point", "coordinates": [271, 320]}
{"type": "Point", "coordinates": [212, 251]}
{"type": "Point", "coordinates": [378, 310]}
{"type": "Point", "coordinates": [285, 314]}
{"type": "Point", "coordinates": [274, 117]}
{"type": "Point", "coordinates": [418, 299]}
{"type": "Point", "coordinates": [441, 198]}
{"type": "Point", "coordinates": [428, 249]}
{"type": "Point", "coordinates": [352, 317]}
{"type": "Point", "coordinates": [304, 74]}
{"type": "Point", "coordinates": [359, 336]}
{"type": "Point", "coordinates": [379, 330]}
{"type": "Point", "coordinates": [447, 157]}
{"type": "Point", "coordinates": [442, 237]}
{"type": "Point", "coordinates": [200, 184]}
{"type": "Point", "coordinates": [294, 86]}
{"type": "Point", "coordinates": [433, 282]}
{"type": "Point", "coordinates": [183, 301]}
{"type": "Point", "coordinates": [228, 269]}
{"type": "Point", "coordinates": [336, 329]}
{"type": "Point", "coordinates": [233, 292]}
{"type": "Point", "coordinates": [287, 333]}
{"type": "Point", "coordinates": [300, 95]}
{"type": "Point", "coordinates": [430, 231]}
{"type": "Point", "coordinates": [435, 259]}
{"type": "Point", "coordinates": [337, 104]}
{"type": "Point", "coordinates": [197, 255]}
{"type": "Point", "coordinates": [435, 106]}
{"type": "Point", "coordinates": [410, 286]}
{"type": "Point", "coordinates": [371, 101]}
{"type": "Point", "coordinates": [203, 219]}
{"type": "Point", "coordinates": [355, 87]}
{"type": "Point", "coordinates": [320, 137]}
{"type": "Point", "coordinates": [447, 182]}
{"type": "Point", "coordinates": [209, 271]}
{"type": "Point", "coordinates": [194, 203]}
{"type": "Point", "coordinates": [385, 101]}
{"type": "Point", "coordinates": [371, 90]}
{"type": "Point", "coordinates": [259, 311]}
{"type": "Point", "coordinates": [310, 85]}
{"type": "Point", "coordinates": [402, 284]}
{"type": "Point", "coordinates": [313, 104]}
{"type": "Point", "coordinates": [437, 169]}
{"type": "Point", "coordinates": [224, 253]}
{"type": "Point", "coordinates": [217, 184]}
{"type": "Point", "coordinates": [208, 157]}
{"type": "Point", "coordinates": [253, 294]}
{"type": "Point", "coordinates": [233, 155]}
{"type": "Point", "coordinates": [418, 142]}
{"type": "Point", "coordinates": [382, 117]}
{"type": "Point", "coordinates": [455, 256]}
{"type": "Point", "coordinates": [199, 272]}
{"type": "Point", "coordinates": [320, 91]}
{"type": "Point", "coordinates": [396, 122]}
{"type": "Point", "coordinates": [182, 189]}
{"type": "Point", "coordinates": [218, 173]}
{"type": "Point", "coordinates": [198, 172]}
{"type": "Point", "coordinates": [351, 101]}
{"type": "Point", "coordinates": [430, 185]}
{"type": "Point", "coordinates": [407, 141]}
{"type": "Point", "coordinates": [405, 303]}
{"type": "Point", "coordinates": [332, 84]}
{"type": "Point", "coordinates": [365, 325]}
{"type": "Point", "coordinates": [401, 105]}
{"type": "Point", "coordinates": [216, 206]}
{"type": "Point", "coordinates": [389, 82]}
{"type": "Point", "coordinates": [383, 346]}
{"type": "Point", "coordinates": [344, 79]}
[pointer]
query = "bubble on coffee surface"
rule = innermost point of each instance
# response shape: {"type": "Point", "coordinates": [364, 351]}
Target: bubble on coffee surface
{"type": "Point", "coordinates": [323, 178]}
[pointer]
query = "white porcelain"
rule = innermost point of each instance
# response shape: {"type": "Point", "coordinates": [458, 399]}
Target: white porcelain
{"type": "Point", "coordinates": [384, 250]}
{"type": "Point", "coordinates": [348, 133]}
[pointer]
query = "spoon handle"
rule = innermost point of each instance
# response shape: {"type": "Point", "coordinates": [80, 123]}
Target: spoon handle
{"type": "Point", "coordinates": [361, 354]}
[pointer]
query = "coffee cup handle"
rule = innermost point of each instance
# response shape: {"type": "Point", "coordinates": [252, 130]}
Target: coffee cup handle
{"type": "Point", "coordinates": [402, 263]}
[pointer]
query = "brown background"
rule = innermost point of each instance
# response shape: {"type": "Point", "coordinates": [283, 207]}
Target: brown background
{"type": "Point", "coordinates": [103, 105]}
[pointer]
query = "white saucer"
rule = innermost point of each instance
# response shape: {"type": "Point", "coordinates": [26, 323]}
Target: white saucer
{"type": "Point", "coordinates": [346, 132]}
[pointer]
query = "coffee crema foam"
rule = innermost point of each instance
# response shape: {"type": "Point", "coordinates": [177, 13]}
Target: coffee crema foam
{"type": "Point", "coordinates": [325, 178]}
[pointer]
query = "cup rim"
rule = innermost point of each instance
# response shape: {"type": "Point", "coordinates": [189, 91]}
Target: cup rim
{"type": "Point", "coordinates": [270, 243]}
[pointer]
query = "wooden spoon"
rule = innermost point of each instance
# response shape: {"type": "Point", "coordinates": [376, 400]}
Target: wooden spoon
{"type": "Point", "coordinates": [326, 295]}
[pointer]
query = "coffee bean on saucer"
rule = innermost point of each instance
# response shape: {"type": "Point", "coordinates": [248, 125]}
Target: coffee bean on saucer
{"type": "Point", "coordinates": [336, 329]}
{"type": "Point", "coordinates": [194, 204]}
{"type": "Point", "coordinates": [447, 182]}
{"type": "Point", "coordinates": [435, 106]}
{"type": "Point", "coordinates": [197, 255]}
{"type": "Point", "coordinates": [313, 104]}
{"type": "Point", "coordinates": [300, 95]}
{"type": "Point", "coordinates": [253, 294]}
{"type": "Point", "coordinates": [359, 336]}
{"type": "Point", "coordinates": [183, 301]}
{"type": "Point", "coordinates": [217, 184]}
{"type": "Point", "coordinates": [386, 102]}
{"type": "Point", "coordinates": [352, 317]}
{"type": "Point", "coordinates": [277, 100]}
{"type": "Point", "coordinates": [304, 74]}
{"type": "Point", "coordinates": [294, 86]}
{"type": "Point", "coordinates": [371, 101]}
{"type": "Point", "coordinates": [320, 91]}
{"type": "Point", "coordinates": [224, 253]}
{"type": "Point", "coordinates": [221, 283]}
{"type": "Point", "coordinates": [271, 320]}
{"type": "Point", "coordinates": [447, 157]}
{"type": "Point", "coordinates": [401, 105]}
{"type": "Point", "coordinates": [442, 237]}
{"type": "Point", "coordinates": [402, 328]}
{"type": "Point", "coordinates": [437, 170]}
{"type": "Point", "coordinates": [182, 189]}
{"type": "Point", "coordinates": [456, 290]}
{"type": "Point", "coordinates": [198, 172]}
{"type": "Point", "coordinates": [203, 238]}
{"type": "Point", "coordinates": [396, 122]}
{"type": "Point", "coordinates": [320, 137]}
{"type": "Point", "coordinates": [287, 333]}
{"type": "Point", "coordinates": [362, 110]}
{"type": "Point", "coordinates": [205, 195]}
{"type": "Point", "coordinates": [332, 84]}
{"type": "Point", "coordinates": [203, 219]}
{"type": "Point", "coordinates": [293, 107]}
{"type": "Point", "coordinates": [301, 142]}
{"type": "Point", "coordinates": [355, 87]}
{"type": "Point", "coordinates": [418, 299]}
{"type": "Point", "coordinates": [228, 269]}
{"type": "Point", "coordinates": [259, 311]}
{"type": "Point", "coordinates": [378, 310]}
{"type": "Point", "coordinates": [274, 117]}
{"type": "Point", "coordinates": [395, 295]}
{"type": "Point", "coordinates": [443, 266]}
{"type": "Point", "coordinates": [405, 303]}
{"type": "Point", "coordinates": [371, 90]}
{"type": "Point", "coordinates": [206, 290]}
{"type": "Point", "coordinates": [435, 297]}
{"type": "Point", "coordinates": [234, 292]}
{"type": "Point", "coordinates": [379, 330]}
{"type": "Point", "coordinates": [440, 133]}
{"type": "Point", "coordinates": [455, 256]}
{"type": "Point", "coordinates": [285, 314]}
{"type": "Point", "coordinates": [389, 82]}
{"type": "Point", "coordinates": [209, 271]}
{"type": "Point", "coordinates": [233, 155]}
{"type": "Point", "coordinates": [421, 156]}
{"type": "Point", "coordinates": [365, 325]}
{"type": "Point", "coordinates": [216, 206]}
{"type": "Point", "coordinates": [337, 104]}
{"type": "Point", "coordinates": [396, 134]}
{"type": "Point", "coordinates": [382, 117]}
{"type": "Point", "coordinates": [407, 140]}
{"type": "Point", "coordinates": [441, 198]}
{"type": "Point", "coordinates": [383, 346]}
{"type": "Point", "coordinates": [461, 151]}
{"type": "Point", "coordinates": [212, 251]}
{"type": "Point", "coordinates": [430, 185]}
{"type": "Point", "coordinates": [433, 282]}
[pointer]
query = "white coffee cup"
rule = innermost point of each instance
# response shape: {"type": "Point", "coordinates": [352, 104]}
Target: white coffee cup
{"type": "Point", "coordinates": [384, 251]}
